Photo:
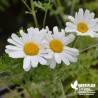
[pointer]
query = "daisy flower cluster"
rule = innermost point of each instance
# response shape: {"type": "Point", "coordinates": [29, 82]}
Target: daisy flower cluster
{"type": "Point", "coordinates": [42, 47]}
{"type": "Point", "coordinates": [50, 48]}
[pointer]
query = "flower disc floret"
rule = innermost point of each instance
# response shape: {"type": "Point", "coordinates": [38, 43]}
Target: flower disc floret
{"type": "Point", "coordinates": [56, 46]}
{"type": "Point", "coordinates": [82, 27]}
{"type": "Point", "coordinates": [31, 48]}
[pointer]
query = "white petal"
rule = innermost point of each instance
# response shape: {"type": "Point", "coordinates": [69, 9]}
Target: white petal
{"type": "Point", "coordinates": [70, 24]}
{"type": "Point", "coordinates": [22, 33]}
{"type": "Point", "coordinates": [69, 29]}
{"type": "Point", "coordinates": [88, 33]}
{"type": "Point", "coordinates": [47, 28]}
{"type": "Point", "coordinates": [75, 59]}
{"type": "Point", "coordinates": [65, 60]}
{"type": "Point", "coordinates": [49, 37]}
{"type": "Point", "coordinates": [8, 51]}
{"type": "Point", "coordinates": [44, 51]}
{"type": "Point", "coordinates": [93, 22]}
{"type": "Point", "coordinates": [56, 34]}
{"type": "Point", "coordinates": [14, 43]}
{"type": "Point", "coordinates": [37, 30]}
{"type": "Point", "coordinates": [13, 47]}
{"type": "Point", "coordinates": [71, 53]}
{"type": "Point", "coordinates": [88, 16]}
{"type": "Point", "coordinates": [38, 37]}
{"type": "Point", "coordinates": [68, 39]}
{"type": "Point", "coordinates": [94, 28]}
{"type": "Point", "coordinates": [34, 61]}
{"type": "Point", "coordinates": [62, 33]}
{"type": "Point", "coordinates": [76, 18]}
{"type": "Point", "coordinates": [55, 29]}
{"type": "Point", "coordinates": [26, 38]}
{"type": "Point", "coordinates": [80, 15]}
{"type": "Point", "coordinates": [26, 64]}
{"type": "Point", "coordinates": [44, 44]}
{"type": "Point", "coordinates": [48, 56]}
{"type": "Point", "coordinates": [17, 39]}
{"type": "Point", "coordinates": [91, 34]}
{"type": "Point", "coordinates": [57, 58]}
{"type": "Point", "coordinates": [53, 64]}
{"type": "Point", "coordinates": [31, 29]}
{"type": "Point", "coordinates": [71, 50]}
{"type": "Point", "coordinates": [17, 54]}
{"type": "Point", "coordinates": [48, 61]}
{"type": "Point", "coordinates": [42, 60]}
{"type": "Point", "coordinates": [71, 18]}
{"type": "Point", "coordinates": [69, 57]}
{"type": "Point", "coordinates": [96, 35]}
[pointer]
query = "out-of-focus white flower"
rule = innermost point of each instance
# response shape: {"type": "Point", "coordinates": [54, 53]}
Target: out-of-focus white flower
{"type": "Point", "coordinates": [83, 24]}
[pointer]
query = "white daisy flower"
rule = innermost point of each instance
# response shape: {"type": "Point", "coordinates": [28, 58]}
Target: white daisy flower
{"type": "Point", "coordinates": [29, 46]}
{"type": "Point", "coordinates": [83, 24]}
{"type": "Point", "coordinates": [56, 45]}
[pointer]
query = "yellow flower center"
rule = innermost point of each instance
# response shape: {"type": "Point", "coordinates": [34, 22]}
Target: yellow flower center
{"type": "Point", "coordinates": [82, 27]}
{"type": "Point", "coordinates": [56, 46]}
{"type": "Point", "coordinates": [31, 48]}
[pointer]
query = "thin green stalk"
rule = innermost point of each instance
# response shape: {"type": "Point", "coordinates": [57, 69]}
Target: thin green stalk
{"type": "Point", "coordinates": [62, 89]}
{"type": "Point", "coordinates": [26, 5]}
{"type": "Point", "coordinates": [72, 7]}
{"type": "Point", "coordinates": [74, 41]}
{"type": "Point", "coordinates": [89, 47]}
{"type": "Point", "coordinates": [44, 19]}
{"type": "Point", "coordinates": [59, 21]}
{"type": "Point", "coordinates": [33, 13]}
{"type": "Point", "coordinates": [61, 13]}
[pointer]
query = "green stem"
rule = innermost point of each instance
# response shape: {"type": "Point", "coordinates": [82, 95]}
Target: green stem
{"type": "Point", "coordinates": [61, 13]}
{"type": "Point", "coordinates": [74, 41]}
{"type": "Point", "coordinates": [58, 20]}
{"type": "Point", "coordinates": [44, 19]}
{"type": "Point", "coordinates": [62, 89]}
{"type": "Point", "coordinates": [72, 7]}
{"type": "Point", "coordinates": [33, 13]}
{"type": "Point", "coordinates": [88, 48]}
{"type": "Point", "coordinates": [26, 5]}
